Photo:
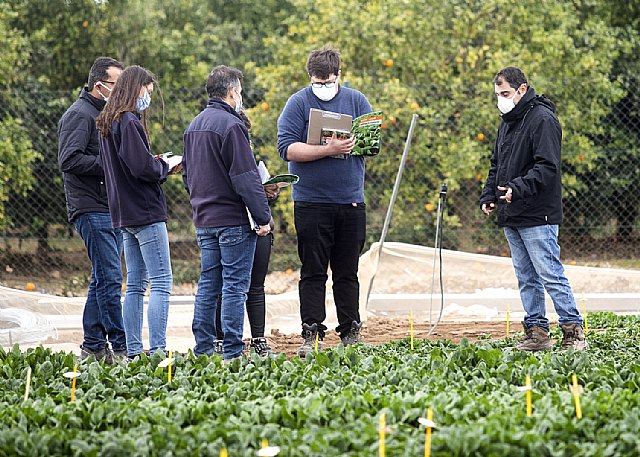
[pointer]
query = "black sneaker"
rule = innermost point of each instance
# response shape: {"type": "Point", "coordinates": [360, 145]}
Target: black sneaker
{"type": "Point", "coordinates": [218, 347]}
{"type": "Point", "coordinates": [353, 336]}
{"type": "Point", "coordinates": [309, 333]}
{"type": "Point", "coordinates": [261, 347]}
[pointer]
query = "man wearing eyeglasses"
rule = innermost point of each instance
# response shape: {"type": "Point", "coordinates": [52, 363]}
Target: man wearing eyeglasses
{"type": "Point", "coordinates": [524, 186]}
{"type": "Point", "coordinates": [88, 211]}
{"type": "Point", "coordinates": [329, 209]}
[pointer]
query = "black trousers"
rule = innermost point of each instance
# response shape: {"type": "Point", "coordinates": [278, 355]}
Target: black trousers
{"type": "Point", "coordinates": [330, 235]}
{"type": "Point", "coordinates": [256, 308]}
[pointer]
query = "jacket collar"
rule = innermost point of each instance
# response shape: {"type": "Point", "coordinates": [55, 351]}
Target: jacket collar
{"type": "Point", "coordinates": [96, 102]}
{"type": "Point", "coordinates": [218, 103]}
{"type": "Point", "coordinates": [523, 106]}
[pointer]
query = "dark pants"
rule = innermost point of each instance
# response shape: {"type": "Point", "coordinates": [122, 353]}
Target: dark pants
{"type": "Point", "coordinates": [329, 235]}
{"type": "Point", "coordinates": [256, 308]}
{"type": "Point", "coordinates": [102, 315]}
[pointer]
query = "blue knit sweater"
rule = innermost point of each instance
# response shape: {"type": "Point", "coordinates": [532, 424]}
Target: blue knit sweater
{"type": "Point", "coordinates": [326, 180]}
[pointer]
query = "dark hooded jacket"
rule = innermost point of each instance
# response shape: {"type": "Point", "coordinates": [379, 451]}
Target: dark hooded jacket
{"type": "Point", "coordinates": [526, 158]}
{"type": "Point", "coordinates": [78, 157]}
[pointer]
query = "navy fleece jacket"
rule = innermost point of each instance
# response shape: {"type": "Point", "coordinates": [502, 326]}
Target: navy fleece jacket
{"type": "Point", "coordinates": [219, 170]}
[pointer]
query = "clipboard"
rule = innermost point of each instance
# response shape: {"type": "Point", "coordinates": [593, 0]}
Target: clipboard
{"type": "Point", "coordinates": [319, 119]}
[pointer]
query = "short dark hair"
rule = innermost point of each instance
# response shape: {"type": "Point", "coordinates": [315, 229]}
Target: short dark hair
{"type": "Point", "coordinates": [99, 70]}
{"type": "Point", "coordinates": [323, 62]}
{"type": "Point", "coordinates": [222, 79]}
{"type": "Point", "coordinates": [513, 75]}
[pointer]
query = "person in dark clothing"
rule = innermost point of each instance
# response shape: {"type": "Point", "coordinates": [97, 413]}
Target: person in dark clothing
{"type": "Point", "coordinates": [88, 211]}
{"type": "Point", "coordinates": [137, 205]}
{"type": "Point", "coordinates": [256, 300]}
{"type": "Point", "coordinates": [329, 208]}
{"type": "Point", "coordinates": [524, 186]}
{"type": "Point", "coordinates": [224, 188]}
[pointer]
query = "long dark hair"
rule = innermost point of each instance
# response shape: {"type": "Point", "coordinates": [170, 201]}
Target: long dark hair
{"type": "Point", "coordinates": [123, 98]}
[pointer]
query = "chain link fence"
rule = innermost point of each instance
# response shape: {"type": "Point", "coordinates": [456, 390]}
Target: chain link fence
{"type": "Point", "coordinates": [601, 205]}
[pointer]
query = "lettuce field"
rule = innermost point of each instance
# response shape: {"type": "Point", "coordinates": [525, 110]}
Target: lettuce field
{"type": "Point", "coordinates": [330, 403]}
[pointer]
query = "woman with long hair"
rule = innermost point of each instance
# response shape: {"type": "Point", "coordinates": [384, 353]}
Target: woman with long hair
{"type": "Point", "coordinates": [137, 205]}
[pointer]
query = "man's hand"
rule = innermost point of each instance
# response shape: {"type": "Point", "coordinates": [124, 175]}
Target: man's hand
{"type": "Point", "coordinates": [272, 191]}
{"type": "Point", "coordinates": [488, 208]}
{"type": "Point", "coordinates": [263, 230]}
{"type": "Point", "coordinates": [336, 146]}
{"type": "Point", "coordinates": [507, 196]}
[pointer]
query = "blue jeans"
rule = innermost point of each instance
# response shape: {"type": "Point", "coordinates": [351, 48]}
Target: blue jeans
{"type": "Point", "coordinates": [146, 254]}
{"type": "Point", "coordinates": [227, 256]}
{"type": "Point", "coordinates": [102, 315]}
{"type": "Point", "coordinates": [536, 258]}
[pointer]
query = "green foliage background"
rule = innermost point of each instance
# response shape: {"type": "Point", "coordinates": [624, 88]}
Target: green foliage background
{"type": "Point", "coordinates": [429, 57]}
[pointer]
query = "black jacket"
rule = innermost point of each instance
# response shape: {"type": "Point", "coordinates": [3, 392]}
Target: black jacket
{"type": "Point", "coordinates": [133, 175]}
{"type": "Point", "coordinates": [78, 157]}
{"type": "Point", "coordinates": [526, 158]}
{"type": "Point", "coordinates": [219, 170]}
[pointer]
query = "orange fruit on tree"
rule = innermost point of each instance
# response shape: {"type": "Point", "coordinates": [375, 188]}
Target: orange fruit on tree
{"type": "Point", "coordinates": [264, 106]}
{"type": "Point", "coordinates": [414, 106]}
{"type": "Point", "coordinates": [388, 63]}
{"type": "Point", "coordinates": [480, 136]}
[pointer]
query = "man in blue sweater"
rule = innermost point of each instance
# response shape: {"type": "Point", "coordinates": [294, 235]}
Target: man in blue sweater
{"type": "Point", "coordinates": [223, 183]}
{"type": "Point", "coordinates": [329, 209]}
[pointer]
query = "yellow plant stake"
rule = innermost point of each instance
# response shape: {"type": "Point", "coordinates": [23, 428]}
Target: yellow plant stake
{"type": "Point", "coordinates": [317, 339]}
{"type": "Point", "coordinates": [527, 389]}
{"type": "Point", "coordinates": [26, 390]}
{"type": "Point", "coordinates": [576, 395]}
{"type": "Point", "coordinates": [428, 422]}
{"type": "Point", "coordinates": [72, 375]}
{"type": "Point", "coordinates": [528, 395]}
{"type": "Point", "coordinates": [584, 311]}
{"type": "Point", "coordinates": [381, 433]}
{"type": "Point", "coordinates": [411, 327]}
{"type": "Point", "coordinates": [223, 452]}
{"type": "Point", "coordinates": [508, 317]}
{"type": "Point", "coordinates": [167, 363]}
{"type": "Point", "coordinates": [265, 443]}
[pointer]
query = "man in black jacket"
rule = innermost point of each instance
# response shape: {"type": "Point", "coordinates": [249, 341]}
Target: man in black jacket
{"type": "Point", "coordinates": [88, 210]}
{"type": "Point", "coordinates": [524, 186]}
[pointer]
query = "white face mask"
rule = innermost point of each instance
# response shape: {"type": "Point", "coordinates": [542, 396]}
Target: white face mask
{"type": "Point", "coordinates": [106, 99]}
{"type": "Point", "coordinates": [506, 104]}
{"type": "Point", "coordinates": [324, 93]}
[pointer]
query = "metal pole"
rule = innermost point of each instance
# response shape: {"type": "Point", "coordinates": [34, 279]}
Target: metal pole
{"type": "Point", "coordinates": [396, 187]}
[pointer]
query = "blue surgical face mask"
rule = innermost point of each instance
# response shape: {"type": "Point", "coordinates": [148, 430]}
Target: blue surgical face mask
{"type": "Point", "coordinates": [142, 103]}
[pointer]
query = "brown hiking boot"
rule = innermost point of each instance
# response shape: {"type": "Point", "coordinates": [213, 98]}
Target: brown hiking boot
{"type": "Point", "coordinates": [573, 337]}
{"type": "Point", "coordinates": [535, 339]}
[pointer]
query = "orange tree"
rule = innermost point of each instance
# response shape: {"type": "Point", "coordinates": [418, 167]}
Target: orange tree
{"type": "Point", "coordinates": [437, 59]}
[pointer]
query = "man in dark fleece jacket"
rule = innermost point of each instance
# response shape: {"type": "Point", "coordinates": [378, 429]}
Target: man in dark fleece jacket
{"type": "Point", "coordinates": [524, 184]}
{"type": "Point", "coordinates": [224, 185]}
{"type": "Point", "coordinates": [88, 210]}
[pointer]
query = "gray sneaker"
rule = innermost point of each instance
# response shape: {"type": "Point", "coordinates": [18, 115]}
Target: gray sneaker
{"type": "Point", "coordinates": [535, 339]}
{"type": "Point", "coordinates": [261, 347]}
{"type": "Point", "coordinates": [118, 356]}
{"type": "Point", "coordinates": [101, 354]}
{"type": "Point", "coordinates": [573, 337]}
{"type": "Point", "coordinates": [309, 333]}
{"type": "Point", "coordinates": [218, 348]}
{"type": "Point", "coordinates": [353, 336]}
